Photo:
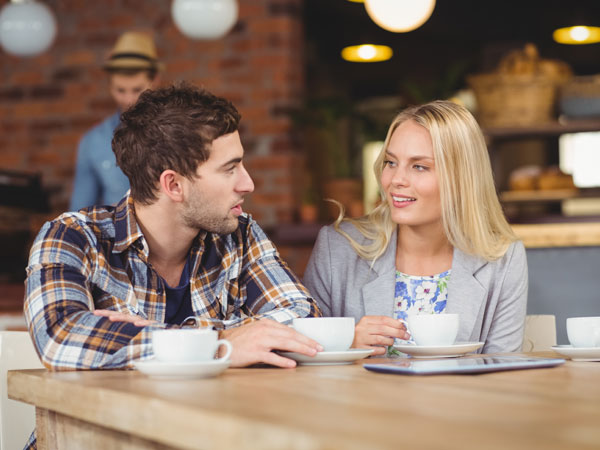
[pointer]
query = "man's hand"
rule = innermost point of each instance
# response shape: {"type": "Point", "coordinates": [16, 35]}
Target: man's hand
{"type": "Point", "coordinates": [116, 316]}
{"type": "Point", "coordinates": [378, 332]}
{"type": "Point", "coordinates": [252, 343]}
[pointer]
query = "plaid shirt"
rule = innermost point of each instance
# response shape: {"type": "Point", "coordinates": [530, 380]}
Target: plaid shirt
{"type": "Point", "coordinates": [97, 258]}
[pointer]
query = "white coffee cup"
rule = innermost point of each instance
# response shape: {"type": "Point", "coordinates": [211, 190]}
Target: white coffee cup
{"type": "Point", "coordinates": [186, 345]}
{"type": "Point", "coordinates": [433, 329]}
{"type": "Point", "coordinates": [335, 334]}
{"type": "Point", "coordinates": [584, 331]}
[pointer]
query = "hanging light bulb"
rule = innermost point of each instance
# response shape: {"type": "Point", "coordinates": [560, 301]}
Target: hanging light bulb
{"type": "Point", "coordinates": [367, 53]}
{"type": "Point", "coordinates": [577, 35]}
{"type": "Point", "coordinates": [204, 19]}
{"type": "Point", "coordinates": [399, 16]}
{"type": "Point", "coordinates": [27, 27]}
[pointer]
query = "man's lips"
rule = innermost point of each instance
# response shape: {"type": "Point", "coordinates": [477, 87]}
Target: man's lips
{"type": "Point", "coordinates": [237, 209]}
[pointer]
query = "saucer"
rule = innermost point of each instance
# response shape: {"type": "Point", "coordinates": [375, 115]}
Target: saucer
{"type": "Point", "coordinates": [443, 351]}
{"type": "Point", "coordinates": [329, 358]}
{"type": "Point", "coordinates": [203, 369]}
{"type": "Point", "coordinates": [578, 353]}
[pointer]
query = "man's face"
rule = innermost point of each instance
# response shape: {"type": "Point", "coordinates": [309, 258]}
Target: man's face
{"type": "Point", "coordinates": [214, 198]}
{"type": "Point", "coordinates": [126, 89]}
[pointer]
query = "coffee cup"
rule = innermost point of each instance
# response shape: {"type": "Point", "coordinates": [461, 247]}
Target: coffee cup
{"type": "Point", "coordinates": [584, 331]}
{"type": "Point", "coordinates": [433, 329]}
{"type": "Point", "coordinates": [335, 334]}
{"type": "Point", "coordinates": [185, 345]}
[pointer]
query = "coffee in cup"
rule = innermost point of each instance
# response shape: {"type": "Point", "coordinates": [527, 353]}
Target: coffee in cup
{"type": "Point", "coordinates": [433, 329]}
{"type": "Point", "coordinates": [584, 331]}
{"type": "Point", "coordinates": [188, 345]}
{"type": "Point", "coordinates": [335, 334]}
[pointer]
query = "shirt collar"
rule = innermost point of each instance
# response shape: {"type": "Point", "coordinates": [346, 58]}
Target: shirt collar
{"type": "Point", "coordinates": [127, 230]}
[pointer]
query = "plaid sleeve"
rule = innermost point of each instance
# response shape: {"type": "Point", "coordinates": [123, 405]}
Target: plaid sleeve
{"type": "Point", "coordinates": [272, 289]}
{"type": "Point", "coordinates": [58, 307]}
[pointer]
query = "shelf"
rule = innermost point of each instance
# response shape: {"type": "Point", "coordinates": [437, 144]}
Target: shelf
{"type": "Point", "coordinates": [538, 196]}
{"type": "Point", "coordinates": [550, 195]}
{"type": "Point", "coordinates": [547, 129]}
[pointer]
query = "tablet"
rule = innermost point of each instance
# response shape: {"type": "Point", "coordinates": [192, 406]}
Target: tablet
{"type": "Point", "coordinates": [472, 364]}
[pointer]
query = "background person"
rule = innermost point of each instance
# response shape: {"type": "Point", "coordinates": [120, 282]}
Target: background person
{"type": "Point", "coordinates": [132, 68]}
{"type": "Point", "coordinates": [178, 245]}
{"type": "Point", "coordinates": [437, 243]}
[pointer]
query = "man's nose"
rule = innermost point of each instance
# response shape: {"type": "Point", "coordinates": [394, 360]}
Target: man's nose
{"type": "Point", "coordinates": [245, 183]}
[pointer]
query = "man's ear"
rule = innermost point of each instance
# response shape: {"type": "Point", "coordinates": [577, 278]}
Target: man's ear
{"type": "Point", "coordinates": [171, 185]}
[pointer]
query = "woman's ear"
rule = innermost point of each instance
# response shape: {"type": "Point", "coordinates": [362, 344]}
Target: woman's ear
{"type": "Point", "coordinates": [171, 184]}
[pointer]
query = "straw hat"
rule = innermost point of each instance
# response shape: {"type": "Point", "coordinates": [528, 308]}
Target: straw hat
{"type": "Point", "coordinates": [133, 50]}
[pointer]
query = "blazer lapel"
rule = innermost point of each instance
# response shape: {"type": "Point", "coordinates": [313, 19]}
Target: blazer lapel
{"type": "Point", "coordinates": [466, 296]}
{"type": "Point", "coordinates": [378, 291]}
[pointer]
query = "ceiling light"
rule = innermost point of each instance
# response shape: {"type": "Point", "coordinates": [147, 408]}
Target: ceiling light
{"type": "Point", "coordinates": [577, 35]}
{"type": "Point", "coordinates": [204, 19]}
{"type": "Point", "coordinates": [367, 53]}
{"type": "Point", "coordinates": [399, 16]}
{"type": "Point", "coordinates": [27, 27]}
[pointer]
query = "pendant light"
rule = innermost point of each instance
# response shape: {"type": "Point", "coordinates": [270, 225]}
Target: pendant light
{"type": "Point", "coordinates": [204, 19]}
{"type": "Point", "coordinates": [579, 34]}
{"type": "Point", "coordinates": [27, 27]}
{"type": "Point", "coordinates": [367, 53]}
{"type": "Point", "coordinates": [399, 16]}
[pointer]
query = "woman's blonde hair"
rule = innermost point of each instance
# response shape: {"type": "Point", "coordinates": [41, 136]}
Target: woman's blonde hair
{"type": "Point", "coordinates": [472, 217]}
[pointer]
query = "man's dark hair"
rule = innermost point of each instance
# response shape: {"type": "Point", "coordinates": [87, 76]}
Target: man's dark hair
{"type": "Point", "coordinates": [169, 128]}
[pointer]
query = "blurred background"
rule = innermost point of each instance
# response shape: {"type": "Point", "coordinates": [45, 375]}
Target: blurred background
{"type": "Point", "coordinates": [313, 121]}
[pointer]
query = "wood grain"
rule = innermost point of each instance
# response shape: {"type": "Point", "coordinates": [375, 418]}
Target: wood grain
{"type": "Point", "coordinates": [329, 407]}
{"type": "Point", "coordinates": [559, 234]}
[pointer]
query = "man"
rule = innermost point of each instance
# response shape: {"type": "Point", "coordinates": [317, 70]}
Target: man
{"type": "Point", "coordinates": [99, 281]}
{"type": "Point", "coordinates": [132, 68]}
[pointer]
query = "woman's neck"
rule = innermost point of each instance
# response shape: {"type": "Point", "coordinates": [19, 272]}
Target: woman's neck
{"type": "Point", "coordinates": [423, 250]}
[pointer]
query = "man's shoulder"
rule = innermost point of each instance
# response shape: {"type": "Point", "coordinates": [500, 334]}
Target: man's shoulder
{"type": "Point", "coordinates": [88, 224]}
{"type": "Point", "coordinates": [102, 131]}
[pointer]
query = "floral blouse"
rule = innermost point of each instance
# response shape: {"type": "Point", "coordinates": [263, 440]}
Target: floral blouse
{"type": "Point", "coordinates": [419, 295]}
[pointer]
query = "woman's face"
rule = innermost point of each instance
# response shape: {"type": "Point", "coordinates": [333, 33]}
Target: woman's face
{"type": "Point", "coordinates": [409, 178]}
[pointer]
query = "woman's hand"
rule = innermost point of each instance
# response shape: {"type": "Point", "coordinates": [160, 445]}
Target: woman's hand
{"type": "Point", "coordinates": [378, 332]}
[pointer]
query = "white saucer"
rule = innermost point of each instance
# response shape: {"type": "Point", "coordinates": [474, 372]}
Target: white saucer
{"type": "Point", "coordinates": [204, 369]}
{"type": "Point", "coordinates": [328, 358]}
{"type": "Point", "coordinates": [444, 351]}
{"type": "Point", "coordinates": [578, 353]}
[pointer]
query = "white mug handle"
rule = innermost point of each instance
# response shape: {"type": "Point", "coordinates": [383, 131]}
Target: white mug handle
{"type": "Point", "coordinates": [597, 337]}
{"type": "Point", "coordinates": [227, 344]}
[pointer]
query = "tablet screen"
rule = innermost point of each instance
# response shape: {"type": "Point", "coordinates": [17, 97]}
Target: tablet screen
{"type": "Point", "coordinates": [474, 364]}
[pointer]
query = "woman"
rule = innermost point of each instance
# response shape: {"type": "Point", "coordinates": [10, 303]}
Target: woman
{"type": "Point", "coordinates": [437, 243]}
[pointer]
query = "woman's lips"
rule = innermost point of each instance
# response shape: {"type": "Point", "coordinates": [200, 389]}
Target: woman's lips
{"type": "Point", "coordinates": [402, 202]}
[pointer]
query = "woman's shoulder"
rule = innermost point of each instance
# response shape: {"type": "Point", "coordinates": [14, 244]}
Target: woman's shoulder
{"type": "Point", "coordinates": [340, 234]}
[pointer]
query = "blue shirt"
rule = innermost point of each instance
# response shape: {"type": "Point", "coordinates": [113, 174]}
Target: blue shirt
{"type": "Point", "coordinates": [179, 298]}
{"type": "Point", "coordinates": [98, 179]}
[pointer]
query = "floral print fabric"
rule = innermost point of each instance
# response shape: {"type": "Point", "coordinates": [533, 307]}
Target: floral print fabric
{"type": "Point", "coordinates": [419, 295]}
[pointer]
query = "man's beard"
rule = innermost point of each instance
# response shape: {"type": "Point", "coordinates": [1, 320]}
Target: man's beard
{"type": "Point", "coordinates": [198, 215]}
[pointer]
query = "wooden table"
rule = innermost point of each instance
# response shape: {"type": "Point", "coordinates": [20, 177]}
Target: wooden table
{"type": "Point", "coordinates": [318, 407]}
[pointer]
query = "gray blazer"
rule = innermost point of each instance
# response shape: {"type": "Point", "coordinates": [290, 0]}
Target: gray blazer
{"type": "Point", "coordinates": [490, 297]}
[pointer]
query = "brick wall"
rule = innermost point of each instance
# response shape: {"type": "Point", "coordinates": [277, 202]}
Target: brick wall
{"type": "Point", "coordinates": [48, 102]}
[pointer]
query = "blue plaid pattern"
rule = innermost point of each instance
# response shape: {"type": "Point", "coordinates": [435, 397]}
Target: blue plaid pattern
{"type": "Point", "coordinates": [97, 258]}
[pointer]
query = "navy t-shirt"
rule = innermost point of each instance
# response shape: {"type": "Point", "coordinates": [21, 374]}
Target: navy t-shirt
{"type": "Point", "coordinates": [179, 298]}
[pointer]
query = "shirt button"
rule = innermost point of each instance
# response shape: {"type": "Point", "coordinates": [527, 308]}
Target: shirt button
{"type": "Point", "coordinates": [106, 164]}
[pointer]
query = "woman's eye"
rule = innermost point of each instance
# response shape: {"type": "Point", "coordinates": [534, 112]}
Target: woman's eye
{"type": "Point", "coordinates": [419, 167]}
{"type": "Point", "coordinates": [388, 163]}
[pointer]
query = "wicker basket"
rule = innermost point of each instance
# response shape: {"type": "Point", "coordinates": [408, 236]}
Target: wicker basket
{"type": "Point", "coordinates": [513, 100]}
